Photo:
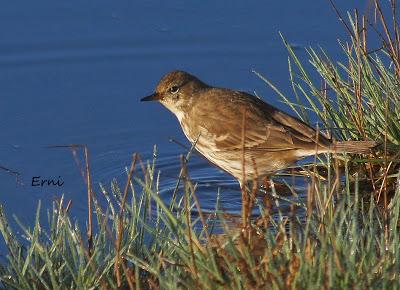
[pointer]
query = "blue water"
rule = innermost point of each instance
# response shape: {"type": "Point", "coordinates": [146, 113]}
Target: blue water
{"type": "Point", "coordinates": [73, 72]}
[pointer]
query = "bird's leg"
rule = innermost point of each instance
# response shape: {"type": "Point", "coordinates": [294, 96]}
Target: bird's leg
{"type": "Point", "coordinates": [245, 204]}
{"type": "Point", "coordinates": [249, 192]}
{"type": "Point", "coordinates": [253, 191]}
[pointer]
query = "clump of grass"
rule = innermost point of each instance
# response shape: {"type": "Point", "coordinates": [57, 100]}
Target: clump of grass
{"type": "Point", "coordinates": [138, 242]}
{"type": "Point", "coordinates": [359, 98]}
{"type": "Point", "coordinates": [345, 237]}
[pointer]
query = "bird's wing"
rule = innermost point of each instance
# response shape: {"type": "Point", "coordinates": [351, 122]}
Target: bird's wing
{"type": "Point", "coordinates": [266, 128]}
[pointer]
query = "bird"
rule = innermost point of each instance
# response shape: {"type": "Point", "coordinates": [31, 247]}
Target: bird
{"type": "Point", "coordinates": [240, 133]}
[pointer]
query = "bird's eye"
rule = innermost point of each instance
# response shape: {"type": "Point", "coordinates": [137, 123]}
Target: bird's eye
{"type": "Point", "coordinates": [174, 89]}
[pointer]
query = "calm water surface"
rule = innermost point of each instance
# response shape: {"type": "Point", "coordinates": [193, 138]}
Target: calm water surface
{"type": "Point", "coordinates": [74, 72]}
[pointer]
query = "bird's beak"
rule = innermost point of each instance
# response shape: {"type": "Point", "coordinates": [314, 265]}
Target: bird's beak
{"type": "Point", "coordinates": [153, 97]}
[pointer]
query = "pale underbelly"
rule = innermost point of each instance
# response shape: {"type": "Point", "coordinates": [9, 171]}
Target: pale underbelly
{"type": "Point", "coordinates": [255, 164]}
{"type": "Point", "coordinates": [239, 163]}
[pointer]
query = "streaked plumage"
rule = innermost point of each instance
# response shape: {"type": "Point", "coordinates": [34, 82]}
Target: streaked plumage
{"type": "Point", "coordinates": [273, 140]}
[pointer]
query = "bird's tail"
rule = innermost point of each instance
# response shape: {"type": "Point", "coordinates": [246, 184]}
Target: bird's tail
{"type": "Point", "coordinates": [361, 147]}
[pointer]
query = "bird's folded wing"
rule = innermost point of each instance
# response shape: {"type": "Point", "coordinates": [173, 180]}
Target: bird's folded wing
{"type": "Point", "coordinates": [270, 137]}
{"type": "Point", "coordinates": [266, 128]}
{"type": "Point", "coordinates": [280, 133]}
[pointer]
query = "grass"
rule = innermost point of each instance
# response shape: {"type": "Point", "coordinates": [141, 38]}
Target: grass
{"type": "Point", "coordinates": [349, 238]}
{"type": "Point", "coordinates": [141, 242]}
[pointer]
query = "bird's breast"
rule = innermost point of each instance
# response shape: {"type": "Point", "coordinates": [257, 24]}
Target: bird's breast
{"type": "Point", "coordinates": [190, 128]}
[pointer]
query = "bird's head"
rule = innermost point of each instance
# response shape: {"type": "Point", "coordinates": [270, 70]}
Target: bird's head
{"type": "Point", "coordinates": [175, 91]}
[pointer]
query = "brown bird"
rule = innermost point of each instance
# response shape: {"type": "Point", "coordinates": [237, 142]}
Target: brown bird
{"type": "Point", "coordinates": [239, 132]}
